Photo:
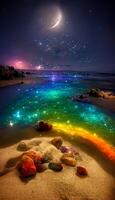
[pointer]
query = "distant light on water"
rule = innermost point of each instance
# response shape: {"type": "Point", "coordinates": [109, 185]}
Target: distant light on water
{"type": "Point", "coordinates": [11, 124]}
{"type": "Point", "coordinates": [39, 67]}
{"type": "Point", "coordinates": [53, 77]}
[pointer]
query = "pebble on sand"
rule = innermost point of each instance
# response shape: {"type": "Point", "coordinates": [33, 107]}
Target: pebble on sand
{"type": "Point", "coordinates": [81, 171]}
{"type": "Point", "coordinates": [57, 142]}
{"type": "Point", "coordinates": [22, 146]}
{"type": "Point", "coordinates": [55, 166]}
{"type": "Point", "coordinates": [68, 160]}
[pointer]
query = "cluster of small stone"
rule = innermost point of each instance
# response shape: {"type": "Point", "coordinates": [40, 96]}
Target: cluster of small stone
{"type": "Point", "coordinates": [69, 156]}
{"type": "Point", "coordinates": [32, 161]}
{"type": "Point", "coordinates": [95, 92]}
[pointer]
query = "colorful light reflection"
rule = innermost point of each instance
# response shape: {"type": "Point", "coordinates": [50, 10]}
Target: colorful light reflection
{"type": "Point", "coordinates": [51, 101]}
{"type": "Point", "coordinates": [105, 148]}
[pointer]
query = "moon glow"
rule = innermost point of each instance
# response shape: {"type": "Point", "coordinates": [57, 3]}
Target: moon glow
{"type": "Point", "coordinates": [59, 18]}
{"type": "Point", "coordinates": [50, 17]}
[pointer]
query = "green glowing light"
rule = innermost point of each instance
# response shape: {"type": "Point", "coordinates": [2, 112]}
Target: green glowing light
{"type": "Point", "coordinates": [53, 94]}
{"type": "Point", "coordinates": [53, 103]}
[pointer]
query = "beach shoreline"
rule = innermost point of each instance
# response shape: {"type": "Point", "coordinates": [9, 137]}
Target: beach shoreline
{"type": "Point", "coordinates": [17, 81]}
{"type": "Point", "coordinates": [6, 83]}
{"type": "Point", "coordinates": [106, 104]}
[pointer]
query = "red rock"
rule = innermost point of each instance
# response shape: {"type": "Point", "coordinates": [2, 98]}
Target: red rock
{"type": "Point", "coordinates": [26, 167]}
{"type": "Point", "coordinates": [81, 171]}
{"type": "Point", "coordinates": [35, 156]}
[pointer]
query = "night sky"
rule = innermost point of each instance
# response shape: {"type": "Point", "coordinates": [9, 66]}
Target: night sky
{"type": "Point", "coordinates": [84, 39]}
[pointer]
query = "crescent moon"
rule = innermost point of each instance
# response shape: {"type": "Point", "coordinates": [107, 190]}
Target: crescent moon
{"type": "Point", "coordinates": [57, 22]}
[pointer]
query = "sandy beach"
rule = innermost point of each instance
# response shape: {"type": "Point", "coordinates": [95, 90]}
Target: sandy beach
{"type": "Point", "coordinates": [98, 185]}
{"type": "Point", "coordinates": [27, 80]}
{"type": "Point", "coordinates": [18, 81]}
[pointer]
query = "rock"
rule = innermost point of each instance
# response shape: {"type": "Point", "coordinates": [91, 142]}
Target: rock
{"type": "Point", "coordinates": [41, 168]}
{"type": "Point", "coordinates": [57, 142]}
{"type": "Point", "coordinates": [22, 146]}
{"type": "Point", "coordinates": [83, 96]}
{"type": "Point", "coordinates": [94, 93]}
{"type": "Point", "coordinates": [69, 154]}
{"type": "Point", "coordinates": [37, 157]}
{"type": "Point", "coordinates": [26, 167]}
{"type": "Point", "coordinates": [100, 93]}
{"type": "Point", "coordinates": [109, 93]}
{"type": "Point", "coordinates": [64, 149]}
{"type": "Point", "coordinates": [47, 157]}
{"type": "Point", "coordinates": [105, 96]}
{"type": "Point", "coordinates": [73, 151]}
{"type": "Point", "coordinates": [55, 166]}
{"type": "Point", "coordinates": [43, 126]}
{"type": "Point", "coordinates": [70, 150]}
{"type": "Point", "coordinates": [81, 171]}
{"type": "Point", "coordinates": [67, 160]}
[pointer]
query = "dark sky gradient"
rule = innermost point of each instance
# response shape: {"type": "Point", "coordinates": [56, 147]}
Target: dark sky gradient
{"type": "Point", "coordinates": [85, 41]}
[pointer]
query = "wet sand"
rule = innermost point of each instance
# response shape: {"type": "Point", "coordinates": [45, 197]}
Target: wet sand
{"type": "Point", "coordinates": [107, 105]}
{"type": "Point", "coordinates": [18, 81]}
{"type": "Point", "coordinates": [5, 83]}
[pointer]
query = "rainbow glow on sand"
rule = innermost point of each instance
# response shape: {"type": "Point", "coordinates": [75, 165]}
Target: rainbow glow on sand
{"type": "Point", "coordinates": [51, 101]}
{"type": "Point", "coordinates": [105, 148]}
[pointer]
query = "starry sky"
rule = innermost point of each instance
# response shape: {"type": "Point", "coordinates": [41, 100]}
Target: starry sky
{"type": "Point", "coordinates": [85, 39]}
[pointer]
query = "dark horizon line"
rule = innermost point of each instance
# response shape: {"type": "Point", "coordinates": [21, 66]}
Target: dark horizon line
{"type": "Point", "coordinates": [69, 70]}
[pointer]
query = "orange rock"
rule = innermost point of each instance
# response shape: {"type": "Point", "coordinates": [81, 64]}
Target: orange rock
{"type": "Point", "coordinates": [67, 160]}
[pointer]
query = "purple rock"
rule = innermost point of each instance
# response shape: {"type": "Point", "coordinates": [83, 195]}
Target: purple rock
{"type": "Point", "coordinates": [66, 149]}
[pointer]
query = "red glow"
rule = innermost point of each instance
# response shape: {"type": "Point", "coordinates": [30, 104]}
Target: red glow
{"type": "Point", "coordinates": [19, 64]}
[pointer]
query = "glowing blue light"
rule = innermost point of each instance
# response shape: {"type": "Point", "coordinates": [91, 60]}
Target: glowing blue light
{"type": "Point", "coordinates": [17, 114]}
{"type": "Point", "coordinates": [53, 78]}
